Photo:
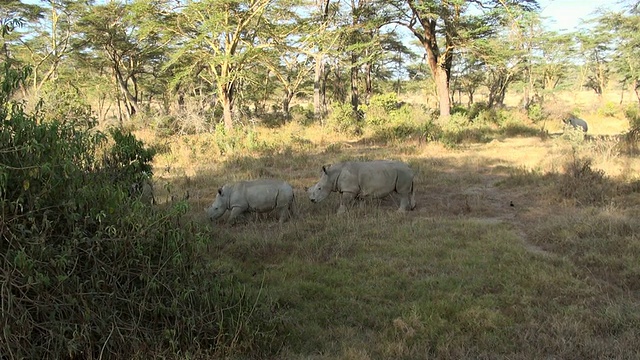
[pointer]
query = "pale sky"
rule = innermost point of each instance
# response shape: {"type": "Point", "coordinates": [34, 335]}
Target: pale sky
{"type": "Point", "coordinates": [567, 14]}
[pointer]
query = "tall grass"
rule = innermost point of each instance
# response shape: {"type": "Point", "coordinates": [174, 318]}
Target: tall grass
{"type": "Point", "coordinates": [466, 275]}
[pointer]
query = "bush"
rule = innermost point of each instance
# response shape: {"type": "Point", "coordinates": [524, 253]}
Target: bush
{"type": "Point", "coordinates": [476, 109]}
{"type": "Point", "coordinates": [609, 109]}
{"type": "Point", "coordinates": [344, 119]}
{"type": "Point", "coordinates": [90, 272]}
{"type": "Point", "coordinates": [583, 184]}
{"type": "Point", "coordinates": [387, 101]}
{"type": "Point", "coordinates": [63, 102]}
{"type": "Point", "coordinates": [301, 115]}
{"type": "Point", "coordinates": [536, 113]}
{"type": "Point", "coordinates": [631, 139]}
{"type": "Point", "coordinates": [632, 113]}
{"type": "Point", "coordinates": [458, 130]}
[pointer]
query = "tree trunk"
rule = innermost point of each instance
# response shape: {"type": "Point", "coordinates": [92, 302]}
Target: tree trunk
{"type": "Point", "coordinates": [286, 101]}
{"type": "Point", "coordinates": [354, 83]}
{"type": "Point", "coordinates": [442, 89]}
{"type": "Point", "coordinates": [368, 84]}
{"type": "Point", "coordinates": [317, 104]}
{"type": "Point", "coordinates": [227, 104]}
{"type": "Point", "coordinates": [227, 112]}
{"type": "Point", "coordinates": [130, 100]}
{"type": "Point", "coordinates": [438, 70]}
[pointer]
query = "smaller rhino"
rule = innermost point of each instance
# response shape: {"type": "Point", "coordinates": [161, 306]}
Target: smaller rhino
{"type": "Point", "coordinates": [262, 195]}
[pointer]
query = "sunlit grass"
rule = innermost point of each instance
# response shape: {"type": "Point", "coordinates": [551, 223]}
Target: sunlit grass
{"type": "Point", "coordinates": [496, 262]}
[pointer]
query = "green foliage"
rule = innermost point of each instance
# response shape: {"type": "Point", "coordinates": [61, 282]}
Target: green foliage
{"type": "Point", "coordinates": [632, 114]}
{"type": "Point", "coordinates": [127, 160]}
{"type": "Point", "coordinates": [387, 101]}
{"type": "Point", "coordinates": [536, 113]}
{"type": "Point", "coordinates": [609, 109]}
{"type": "Point", "coordinates": [344, 119]}
{"type": "Point", "coordinates": [458, 130]}
{"type": "Point", "coordinates": [64, 103]}
{"type": "Point", "coordinates": [92, 272]}
{"type": "Point", "coordinates": [632, 138]}
{"type": "Point", "coordinates": [301, 114]}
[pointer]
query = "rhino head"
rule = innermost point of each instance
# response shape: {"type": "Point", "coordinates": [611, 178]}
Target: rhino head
{"type": "Point", "coordinates": [220, 204]}
{"type": "Point", "coordinates": [322, 188]}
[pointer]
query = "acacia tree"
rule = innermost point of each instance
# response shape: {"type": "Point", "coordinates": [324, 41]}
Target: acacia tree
{"type": "Point", "coordinates": [219, 36]}
{"type": "Point", "coordinates": [595, 51]}
{"type": "Point", "coordinates": [550, 65]}
{"type": "Point", "coordinates": [443, 26]}
{"type": "Point", "coordinates": [111, 33]}
{"type": "Point", "coordinates": [468, 75]}
{"type": "Point", "coordinates": [290, 57]}
{"type": "Point", "coordinates": [52, 41]}
{"type": "Point", "coordinates": [626, 30]}
{"type": "Point", "coordinates": [323, 40]}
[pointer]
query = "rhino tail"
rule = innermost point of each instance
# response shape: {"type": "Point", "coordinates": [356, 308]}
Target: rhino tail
{"type": "Point", "coordinates": [412, 199]}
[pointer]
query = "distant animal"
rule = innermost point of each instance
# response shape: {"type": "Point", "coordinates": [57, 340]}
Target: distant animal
{"type": "Point", "coordinates": [143, 191]}
{"type": "Point", "coordinates": [361, 179]}
{"type": "Point", "coordinates": [260, 196]}
{"type": "Point", "coordinates": [576, 123]}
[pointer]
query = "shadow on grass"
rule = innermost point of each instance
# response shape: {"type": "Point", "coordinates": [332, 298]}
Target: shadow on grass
{"type": "Point", "coordinates": [451, 270]}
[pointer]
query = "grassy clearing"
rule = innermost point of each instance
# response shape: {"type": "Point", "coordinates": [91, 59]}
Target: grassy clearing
{"type": "Point", "coordinates": [465, 276]}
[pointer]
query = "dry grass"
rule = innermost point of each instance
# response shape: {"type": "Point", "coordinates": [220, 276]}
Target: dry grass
{"type": "Point", "coordinates": [504, 258]}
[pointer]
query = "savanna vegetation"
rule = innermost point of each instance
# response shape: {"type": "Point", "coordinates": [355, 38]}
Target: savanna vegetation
{"type": "Point", "coordinates": [120, 120]}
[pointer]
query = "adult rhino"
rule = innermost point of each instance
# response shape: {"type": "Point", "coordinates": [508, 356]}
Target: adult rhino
{"type": "Point", "coordinates": [361, 179]}
{"type": "Point", "coordinates": [262, 195]}
{"type": "Point", "coordinates": [576, 122]}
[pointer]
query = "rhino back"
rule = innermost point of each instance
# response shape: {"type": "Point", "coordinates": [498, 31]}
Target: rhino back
{"type": "Point", "coordinates": [374, 178]}
{"type": "Point", "coordinates": [264, 194]}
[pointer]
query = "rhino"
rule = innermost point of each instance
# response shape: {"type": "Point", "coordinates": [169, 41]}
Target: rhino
{"type": "Point", "coordinates": [357, 180]}
{"type": "Point", "coordinates": [262, 195]}
{"type": "Point", "coordinates": [576, 123]}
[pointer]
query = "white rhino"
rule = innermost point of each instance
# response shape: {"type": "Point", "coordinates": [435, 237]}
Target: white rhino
{"type": "Point", "coordinates": [375, 179]}
{"type": "Point", "coordinates": [262, 195]}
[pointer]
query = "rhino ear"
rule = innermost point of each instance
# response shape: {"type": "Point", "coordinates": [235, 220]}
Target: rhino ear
{"type": "Point", "coordinates": [324, 169]}
{"type": "Point", "coordinates": [219, 191]}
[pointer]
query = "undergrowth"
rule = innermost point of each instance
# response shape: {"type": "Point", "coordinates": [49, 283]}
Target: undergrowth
{"type": "Point", "coordinates": [88, 271]}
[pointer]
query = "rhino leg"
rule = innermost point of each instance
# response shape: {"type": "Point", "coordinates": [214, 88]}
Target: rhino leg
{"type": "Point", "coordinates": [235, 212]}
{"type": "Point", "coordinates": [284, 214]}
{"type": "Point", "coordinates": [345, 201]}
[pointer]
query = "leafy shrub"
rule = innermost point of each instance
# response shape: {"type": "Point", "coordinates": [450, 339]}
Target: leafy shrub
{"type": "Point", "coordinates": [458, 130]}
{"type": "Point", "coordinates": [583, 184]}
{"type": "Point", "coordinates": [536, 113]}
{"type": "Point", "coordinates": [387, 101]}
{"type": "Point", "coordinates": [459, 110]}
{"type": "Point", "coordinates": [513, 124]}
{"type": "Point", "coordinates": [632, 113]}
{"type": "Point", "coordinates": [574, 135]}
{"type": "Point", "coordinates": [630, 142]}
{"type": "Point", "coordinates": [609, 109]}
{"type": "Point", "coordinates": [301, 114]}
{"type": "Point", "coordinates": [91, 272]}
{"type": "Point", "coordinates": [476, 108]}
{"type": "Point", "coordinates": [64, 103]}
{"type": "Point", "coordinates": [430, 131]}
{"type": "Point", "coordinates": [344, 119]}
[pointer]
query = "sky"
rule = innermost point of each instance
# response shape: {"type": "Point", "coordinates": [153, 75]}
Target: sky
{"type": "Point", "coordinates": [567, 14]}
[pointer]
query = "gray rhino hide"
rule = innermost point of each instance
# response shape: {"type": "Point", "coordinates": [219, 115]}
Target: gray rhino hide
{"type": "Point", "coordinates": [262, 195]}
{"type": "Point", "coordinates": [374, 179]}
